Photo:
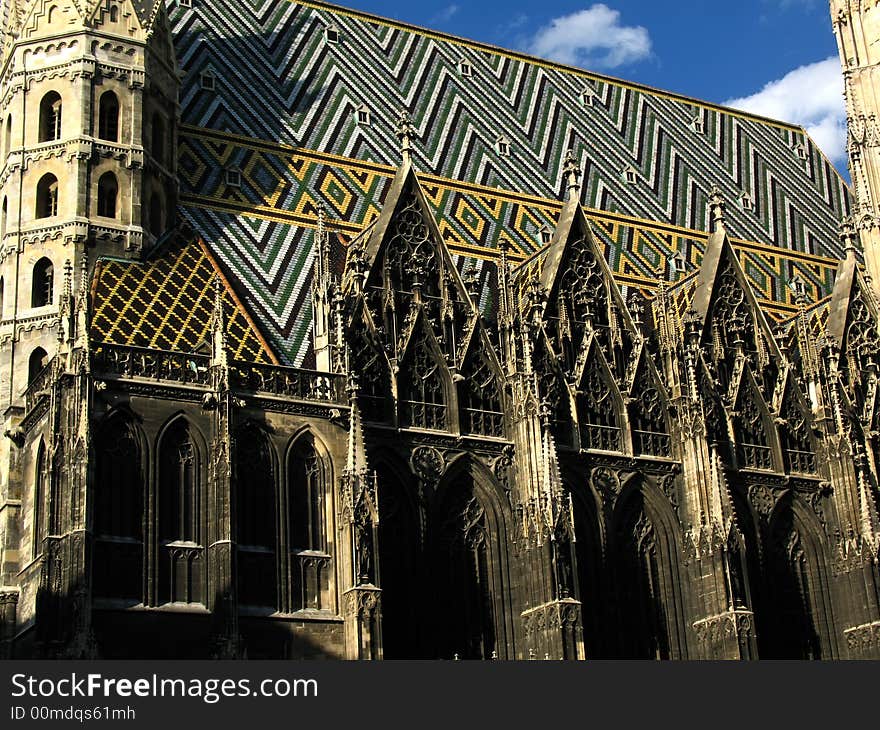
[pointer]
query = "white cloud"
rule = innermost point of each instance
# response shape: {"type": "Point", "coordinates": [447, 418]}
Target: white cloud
{"type": "Point", "coordinates": [592, 37]}
{"type": "Point", "coordinates": [811, 96]}
{"type": "Point", "coordinates": [446, 14]}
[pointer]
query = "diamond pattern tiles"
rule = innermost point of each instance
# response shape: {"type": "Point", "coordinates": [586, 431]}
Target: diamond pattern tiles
{"type": "Point", "coordinates": [261, 231]}
{"type": "Point", "coordinates": [166, 304]}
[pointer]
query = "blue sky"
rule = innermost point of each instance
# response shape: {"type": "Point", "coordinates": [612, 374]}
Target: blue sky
{"type": "Point", "coordinates": [773, 57]}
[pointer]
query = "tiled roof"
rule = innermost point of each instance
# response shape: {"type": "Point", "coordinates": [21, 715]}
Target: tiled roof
{"type": "Point", "coordinates": [167, 302]}
{"type": "Point", "coordinates": [283, 112]}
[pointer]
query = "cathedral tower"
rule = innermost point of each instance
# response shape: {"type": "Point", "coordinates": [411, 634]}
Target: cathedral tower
{"type": "Point", "coordinates": [857, 27]}
{"type": "Point", "coordinates": [88, 109]}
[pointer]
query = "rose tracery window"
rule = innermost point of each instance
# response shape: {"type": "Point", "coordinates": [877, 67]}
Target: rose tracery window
{"type": "Point", "coordinates": [411, 255]}
{"type": "Point", "coordinates": [597, 411]}
{"type": "Point", "coordinates": [423, 393]}
{"type": "Point", "coordinates": [583, 300]}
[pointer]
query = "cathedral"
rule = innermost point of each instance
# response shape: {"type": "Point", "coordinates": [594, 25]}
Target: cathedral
{"type": "Point", "coordinates": [327, 336]}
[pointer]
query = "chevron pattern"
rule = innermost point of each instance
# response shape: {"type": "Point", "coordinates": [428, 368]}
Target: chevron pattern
{"type": "Point", "coordinates": [283, 113]}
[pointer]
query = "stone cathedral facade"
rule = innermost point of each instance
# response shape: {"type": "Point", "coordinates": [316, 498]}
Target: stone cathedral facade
{"type": "Point", "coordinates": [327, 336]}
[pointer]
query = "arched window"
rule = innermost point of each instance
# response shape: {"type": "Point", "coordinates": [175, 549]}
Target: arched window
{"type": "Point", "coordinates": [597, 410]}
{"type": "Point", "coordinates": [119, 511]}
{"type": "Point", "coordinates": [644, 576]}
{"type": "Point", "coordinates": [255, 517]}
{"type": "Point", "coordinates": [37, 362]}
{"type": "Point", "coordinates": [179, 491]}
{"type": "Point", "coordinates": [751, 430]}
{"type": "Point", "coordinates": [47, 196]}
{"type": "Point", "coordinates": [42, 284]}
{"type": "Point", "coordinates": [795, 578]}
{"type": "Point", "coordinates": [157, 215]}
{"type": "Point", "coordinates": [181, 574]}
{"type": "Point", "coordinates": [52, 15]}
{"type": "Point", "coordinates": [465, 573]}
{"type": "Point", "coordinates": [8, 138]}
{"type": "Point", "coordinates": [401, 565]}
{"type": "Point", "coordinates": [480, 398]}
{"type": "Point", "coordinates": [41, 477]}
{"type": "Point", "coordinates": [2, 296]}
{"type": "Point", "coordinates": [158, 146]}
{"type": "Point", "coordinates": [108, 193]}
{"type": "Point", "coordinates": [423, 397]}
{"type": "Point", "coordinates": [114, 14]}
{"type": "Point", "coordinates": [50, 117]}
{"type": "Point", "coordinates": [306, 494]}
{"type": "Point", "coordinates": [4, 214]}
{"type": "Point", "coordinates": [108, 117]}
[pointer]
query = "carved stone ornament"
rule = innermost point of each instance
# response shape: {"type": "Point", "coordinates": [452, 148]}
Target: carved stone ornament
{"type": "Point", "coordinates": [428, 464]}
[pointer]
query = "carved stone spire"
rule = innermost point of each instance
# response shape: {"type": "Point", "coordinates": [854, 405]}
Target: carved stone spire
{"type": "Point", "coordinates": [406, 133]}
{"type": "Point", "coordinates": [716, 210]}
{"type": "Point", "coordinates": [571, 169]}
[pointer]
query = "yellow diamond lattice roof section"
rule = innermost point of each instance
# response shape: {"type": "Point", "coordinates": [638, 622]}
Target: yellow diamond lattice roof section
{"type": "Point", "coordinates": [166, 304]}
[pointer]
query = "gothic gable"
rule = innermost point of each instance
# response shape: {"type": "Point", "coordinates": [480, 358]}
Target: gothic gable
{"type": "Point", "coordinates": [732, 322]}
{"type": "Point", "coordinates": [409, 268]}
{"type": "Point", "coordinates": [582, 298]}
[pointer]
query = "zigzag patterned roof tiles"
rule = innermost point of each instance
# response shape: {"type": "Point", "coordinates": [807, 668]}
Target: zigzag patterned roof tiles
{"type": "Point", "coordinates": [283, 112]}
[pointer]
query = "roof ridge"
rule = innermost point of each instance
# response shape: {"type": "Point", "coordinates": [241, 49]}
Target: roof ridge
{"type": "Point", "coordinates": [536, 60]}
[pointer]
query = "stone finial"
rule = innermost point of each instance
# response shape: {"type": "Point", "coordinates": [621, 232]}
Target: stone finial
{"type": "Point", "coordinates": [716, 209]}
{"type": "Point", "coordinates": [571, 169]}
{"type": "Point", "coordinates": [848, 236]}
{"type": "Point", "coordinates": [406, 133]}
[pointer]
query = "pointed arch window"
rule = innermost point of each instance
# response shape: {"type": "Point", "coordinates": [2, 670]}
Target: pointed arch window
{"type": "Point", "coordinates": [8, 140]}
{"type": "Point", "coordinates": [2, 296]}
{"type": "Point", "coordinates": [179, 489]}
{"type": "Point", "coordinates": [119, 512]}
{"type": "Point", "coordinates": [37, 363]}
{"type": "Point", "coordinates": [108, 117]}
{"type": "Point", "coordinates": [181, 571]}
{"type": "Point", "coordinates": [255, 517]}
{"type": "Point", "coordinates": [41, 480]}
{"type": "Point", "coordinates": [108, 194]}
{"type": "Point", "coordinates": [47, 197]}
{"type": "Point", "coordinates": [795, 433]}
{"type": "Point", "coordinates": [480, 399]}
{"type": "Point", "coordinates": [374, 386]}
{"type": "Point", "coordinates": [307, 493]}
{"type": "Point", "coordinates": [50, 117]}
{"type": "Point", "coordinates": [42, 283]}
{"type": "Point", "coordinates": [424, 404]}
{"type": "Point", "coordinates": [114, 14]}
{"type": "Point", "coordinates": [643, 576]}
{"type": "Point", "coordinates": [465, 574]}
{"type": "Point", "coordinates": [597, 411]}
{"type": "Point", "coordinates": [754, 442]}
{"type": "Point", "coordinates": [4, 216]}
{"type": "Point", "coordinates": [648, 417]}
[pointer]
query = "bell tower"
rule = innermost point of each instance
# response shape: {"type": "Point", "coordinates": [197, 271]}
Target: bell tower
{"type": "Point", "coordinates": [88, 110]}
{"type": "Point", "coordinates": [857, 27]}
